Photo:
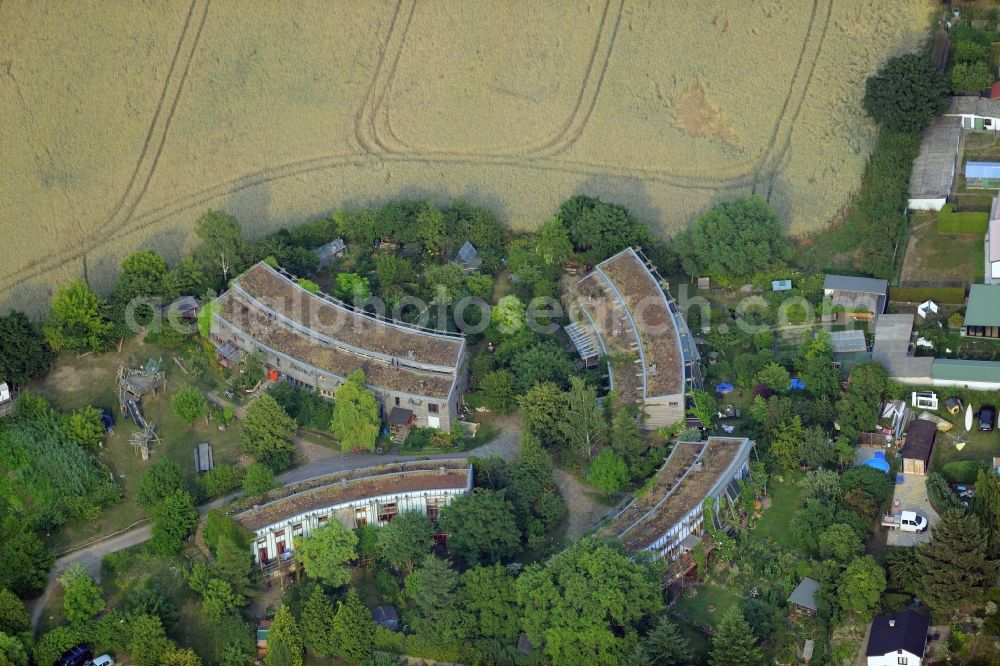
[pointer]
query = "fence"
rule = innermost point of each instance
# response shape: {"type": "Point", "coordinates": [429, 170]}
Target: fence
{"type": "Point", "coordinates": [952, 295]}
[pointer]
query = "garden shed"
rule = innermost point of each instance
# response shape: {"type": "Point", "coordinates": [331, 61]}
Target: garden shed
{"type": "Point", "coordinates": [982, 175]}
{"type": "Point", "coordinates": [803, 598]}
{"type": "Point", "coordinates": [918, 447]}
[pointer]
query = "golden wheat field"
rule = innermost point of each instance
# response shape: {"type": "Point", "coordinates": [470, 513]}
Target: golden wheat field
{"type": "Point", "coordinates": [123, 122]}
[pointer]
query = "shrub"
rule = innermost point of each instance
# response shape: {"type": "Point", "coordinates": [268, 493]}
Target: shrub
{"type": "Point", "coordinates": [963, 471]}
{"type": "Point", "coordinates": [220, 480]}
{"type": "Point", "coordinates": [941, 496]}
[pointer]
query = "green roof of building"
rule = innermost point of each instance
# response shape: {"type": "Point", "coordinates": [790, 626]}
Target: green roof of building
{"type": "Point", "coordinates": [965, 371]}
{"type": "Point", "coordinates": [984, 305]}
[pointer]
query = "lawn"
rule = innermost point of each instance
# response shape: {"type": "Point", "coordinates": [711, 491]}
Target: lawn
{"type": "Point", "coordinates": [942, 258]}
{"type": "Point", "coordinates": [709, 594]}
{"type": "Point", "coordinates": [76, 382]}
{"type": "Point", "coordinates": [775, 522]}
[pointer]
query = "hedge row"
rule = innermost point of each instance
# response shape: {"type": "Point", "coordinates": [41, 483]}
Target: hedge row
{"type": "Point", "coordinates": [950, 222]}
{"type": "Point", "coordinates": [953, 295]}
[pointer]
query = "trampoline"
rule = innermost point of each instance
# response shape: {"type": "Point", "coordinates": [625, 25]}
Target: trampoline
{"type": "Point", "coordinates": [877, 463]}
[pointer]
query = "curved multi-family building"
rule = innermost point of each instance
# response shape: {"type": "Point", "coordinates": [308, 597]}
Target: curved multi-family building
{"type": "Point", "coordinates": [316, 341]}
{"type": "Point", "coordinates": [368, 496]}
{"type": "Point", "coordinates": [651, 353]}
{"type": "Point", "coordinates": [669, 519]}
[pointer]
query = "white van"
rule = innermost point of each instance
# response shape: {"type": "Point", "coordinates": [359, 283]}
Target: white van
{"type": "Point", "coordinates": [103, 660]}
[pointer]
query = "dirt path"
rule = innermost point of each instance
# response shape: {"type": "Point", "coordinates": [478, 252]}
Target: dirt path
{"type": "Point", "coordinates": [584, 510]}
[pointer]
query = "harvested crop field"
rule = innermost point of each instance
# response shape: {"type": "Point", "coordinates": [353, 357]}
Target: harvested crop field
{"type": "Point", "coordinates": [124, 122]}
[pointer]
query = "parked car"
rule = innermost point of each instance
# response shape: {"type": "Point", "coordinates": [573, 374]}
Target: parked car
{"type": "Point", "coordinates": [75, 656]}
{"type": "Point", "coordinates": [987, 418]}
{"type": "Point", "coordinates": [907, 521]}
{"type": "Point", "coordinates": [103, 660]}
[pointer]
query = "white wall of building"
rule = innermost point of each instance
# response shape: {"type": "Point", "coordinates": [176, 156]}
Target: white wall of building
{"type": "Point", "coordinates": [893, 659]}
{"type": "Point", "coordinates": [936, 203]}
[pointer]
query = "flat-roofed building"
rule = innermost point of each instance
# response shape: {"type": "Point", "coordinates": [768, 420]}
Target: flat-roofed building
{"type": "Point", "coordinates": [858, 296]}
{"type": "Point", "coordinates": [982, 316]}
{"type": "Point", "coordinates": [315, 342]}
{"type": "Point", "coordinates": [668, 520]}
{"type": "Point", "coordinates": [654, 360]}
{"type": "Point", "coordinates": [368, 496]}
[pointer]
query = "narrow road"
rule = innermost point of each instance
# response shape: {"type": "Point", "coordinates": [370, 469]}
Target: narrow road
{"type": "Point", "coordinates": [322, 461]}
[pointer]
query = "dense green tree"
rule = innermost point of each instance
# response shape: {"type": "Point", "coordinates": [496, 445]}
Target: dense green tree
{"type": "Point", "coordinates": [554, 245]}
{"type": "Point", "coordinates": [54, 643]}
{"type": "Point", "coordinates": [433, 588]}
{"type": "Point", "coordinates": [84, 427]}
{"type": "Point", "coordinates": [786, 443]}
{"type": "Point", "coordinates": [906, 93]}
{"type": "Point", "coordinates": [481, 527]}
{"type": "Point", "coordinates": [953, 566]}
{"type": "Point", "coordinates": [317, 623]}
{"type": "Point", "coordinates": [77, 320]}
{"type": "Point", "coordinates": [189, 404]}
{"type": "Point", "coordinates": [284, 640]}
{"type": "Point", "coordinates": [627, 440]}
{"type": "Point", "coordinates": [148, 641]}
{"type": "Point", "coordinates": [487, 602]}
{"type": "Point", "coordinates": [603, 228]}
{"type": "Point", "coordinates": [774, 376]}
{"type": "Point", "coordinates": [542, 411]}
{"type": "Point", "coordinates": [861, 586]}
{"type": "Point", "coordinates": [234, 565]}
{"type": "Point", "coordinates": [141, 276]}
{"type": "Point", "coordinates": [219, 599]}
{"type": "Point", "coordinates": [174, 518]}
{"type": "Point", "coordinates": [497, 391]}
{"type": "Point", "coordinates": [540, 362]}
{"type": "Point", "coordinates": [582, 601]}
{"type": "Point", "coordinates": [221, 480]}
{"type": "Point", "coordinates": [353, 628]}
{"type": "Point", "coordinates": [431, 228]}
{"type": "Point", "coordinates": [257, 480]}
{"type": "Point", "coordinates": [704, 407]}
{"type": "Point", "coordinates": [223, 250]}
{"type": "Point", "coordinates": [406, 540]}
{"type": "Point", "coordinates": [821, 485]}
{"type": "Point", "coordinates": [876, 486]}
{"type": "Point", "coordinates": [82, 598]}
{"type": "Point", "coordinates": [353, 288]}
{"type": "Point", "coordinates": [159, 481]}
{"type": "Point", "coordinates": [608, 472]}
{"type": "Point", "coordinates": [734, 643]}
{"type": "Point", "coordinates": [664, 645]}
{"type": "Point", "coordinates": [325, 553]}
{"type": "Point", "coordinates": [808, 523]}
{"type": "Point", "coordinates": [733, 241]}
{"type": "Point", "coordinates": [355, 419]}
{"type": "Point", "coordinates": [186, 277]}
{"type": "Point", "coordinates": [176, 656]}
{"type": "Point", "coordinates": [13, 618]}
{"type": "Point", "coordinates": [218, 526]}
{"type": "Point", "coordinates": [24, 353]}
{"type": "Point", "coordinates": [509, 315]}
{"type": "Point", "coordinates": [816, 450]}
{"type": "Point", "coordinates": [583, 423]}
{"type": "Point", "coordinates": [24, 563]}
{"type": "Point", "coordinates": [986, 505]}
{"type": "Point", "coordinates": [970, 77]}
{"type": "Point", "coordinates": [392, 270]}
{"type": "Point", "coordinates": [267, 433]}
{"type": "Point", "coordinates": [12, 651]}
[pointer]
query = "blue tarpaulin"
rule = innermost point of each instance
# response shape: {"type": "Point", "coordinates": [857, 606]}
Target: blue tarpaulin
{"type": "Point", "coordinates": [724, 388]}
{"type": "Point", "coordinates": [797, 384]}
{"type": "Point", "coordinates": [877, 463]}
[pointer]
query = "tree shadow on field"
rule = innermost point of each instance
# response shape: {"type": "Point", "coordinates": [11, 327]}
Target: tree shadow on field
{"type": "Point", "coordinates": [629, 192]}
{"type": "Point", "coordinates": [252, 207]}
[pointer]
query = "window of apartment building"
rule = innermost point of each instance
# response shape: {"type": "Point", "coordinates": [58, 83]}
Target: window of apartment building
{"type": "Point", "coordinates": [901, 661]}
{"type": "Point", "coordinates": [361, 516]}
{"type": "Point", "coordinates": [433, 407]}
{"type": "Point", "coordinates": [434, 505]}
{"type": "Point", "coordinates": [297, 530]}
{"type": "Point", "coordinates": [386, 512]}
{"type": "Point", "coordinates": [397, 401]}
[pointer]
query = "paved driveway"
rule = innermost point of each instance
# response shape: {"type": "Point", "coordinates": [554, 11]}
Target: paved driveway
{"type": "Point", "coordinates": [911, 495]}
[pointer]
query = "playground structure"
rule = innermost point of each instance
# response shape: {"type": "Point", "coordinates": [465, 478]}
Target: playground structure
{"type": "Point", "coordinates": [133, 385]}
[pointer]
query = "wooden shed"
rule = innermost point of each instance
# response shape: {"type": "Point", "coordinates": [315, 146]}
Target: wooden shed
{"type": "Point", "coordinates": [918, 447]}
